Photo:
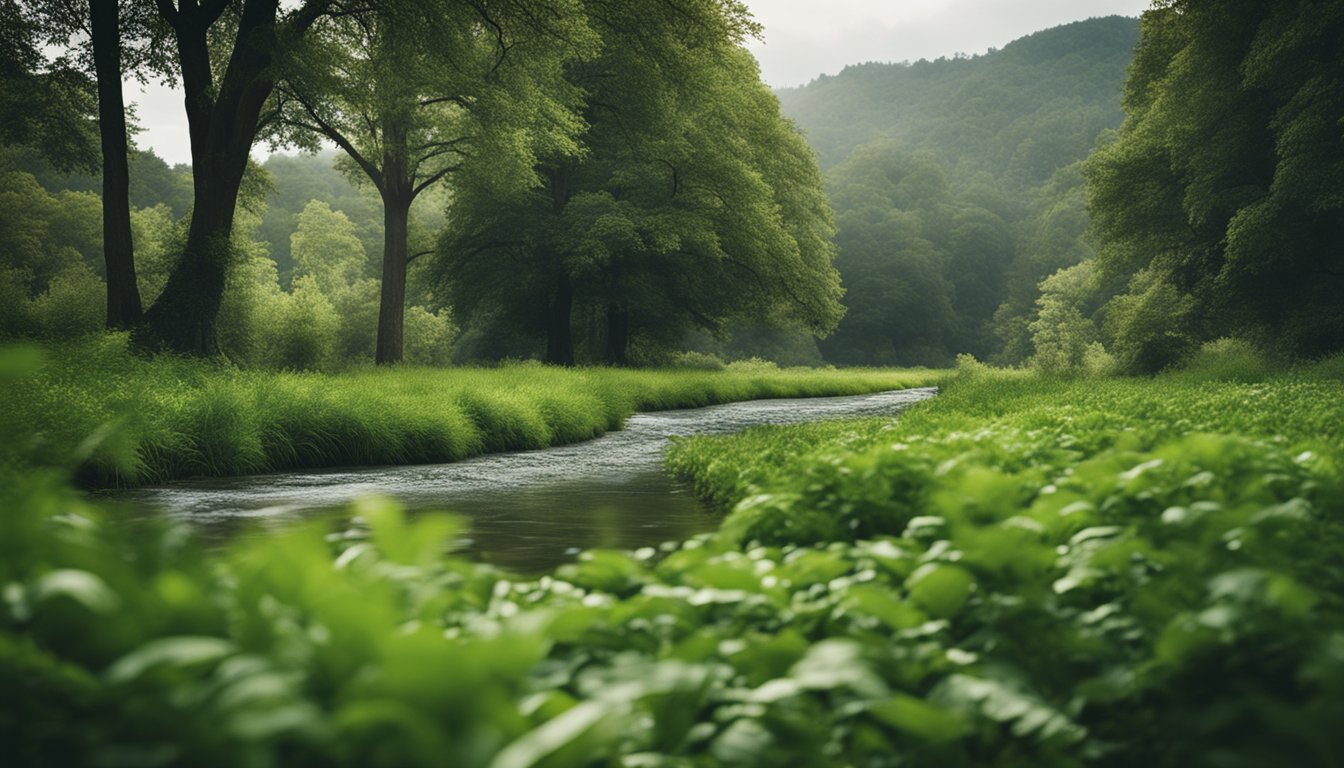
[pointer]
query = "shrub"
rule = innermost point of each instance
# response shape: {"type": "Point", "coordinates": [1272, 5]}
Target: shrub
{"type": "Point", "coordinates": [695, 361]}
{"type": "Point", "coordinates": [1228, 359]}
{"type": "Point", "coordinates": [74, 304]}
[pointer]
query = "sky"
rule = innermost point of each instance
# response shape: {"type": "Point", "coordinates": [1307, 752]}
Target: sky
{"type": "Point", "coordinates": [807, 38]}
{"type": "Point", "coordinates": [802, 39]}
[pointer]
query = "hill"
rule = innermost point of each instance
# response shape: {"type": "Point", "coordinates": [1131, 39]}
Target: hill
{"type": "Point", "coordinates": [956, 186]}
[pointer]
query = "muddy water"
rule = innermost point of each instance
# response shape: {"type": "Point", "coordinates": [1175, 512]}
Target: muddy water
{"type": "Point", "coordinates": [529, 510]}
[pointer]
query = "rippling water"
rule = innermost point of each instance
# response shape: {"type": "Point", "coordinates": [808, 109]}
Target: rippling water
{"type": "Point", "coordinates": [529, 510]}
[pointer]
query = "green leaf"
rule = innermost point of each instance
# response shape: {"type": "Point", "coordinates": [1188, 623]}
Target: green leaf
{"type": "Point", "coordinates": [940, 589]}
{"type": "Point", "coordinates": [920, 718]}
{"type": "Point", "coordinates": [83, 587]}
{"type": "Point", "coordinates": [181, 651]}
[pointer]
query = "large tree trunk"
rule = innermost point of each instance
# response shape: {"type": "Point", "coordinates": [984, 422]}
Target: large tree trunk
{"type": "Point", "coordinates": [184, 318]}
{"type": "Point", "coordinates": [398, 193]}
{"type": "Point", "coordinates": [223, 123]}
{"type": "Point", "coordinates": [392, 309]}
{"type": "Point", "coordinates": [559, 332]}
{"type": "Point", "coordinates": [123, 295]}
{"type": "Point", "coordinates": [618, 335]}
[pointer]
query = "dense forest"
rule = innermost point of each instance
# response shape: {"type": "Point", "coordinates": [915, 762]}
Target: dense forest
{"type": "Point", "coordinates": [620, 191]}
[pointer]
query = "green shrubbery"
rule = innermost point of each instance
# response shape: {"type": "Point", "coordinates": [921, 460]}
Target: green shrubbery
{"type": "Point", "coordinates": [1149, 568]}
{"type": "Point", "coordinates": [1022, 572]}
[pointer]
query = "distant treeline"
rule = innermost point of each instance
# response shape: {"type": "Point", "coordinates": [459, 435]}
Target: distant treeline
{"type": "Point", "coordinates": [1054, 203]}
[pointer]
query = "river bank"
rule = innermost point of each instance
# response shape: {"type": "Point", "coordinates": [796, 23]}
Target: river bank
{"type": "Point", "coordinates": [128, 422]}
{"type": "Point", "coordinates": [529, 511]}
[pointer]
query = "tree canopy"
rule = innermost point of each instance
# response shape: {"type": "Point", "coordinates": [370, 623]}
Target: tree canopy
{"type": "Point", "coordinates": [692, 202]}
{"type": "Point", "coordinates": [1224, 185]}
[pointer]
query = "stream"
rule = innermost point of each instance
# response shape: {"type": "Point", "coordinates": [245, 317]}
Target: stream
{"type": "Point", "coordinates": [530, 510]}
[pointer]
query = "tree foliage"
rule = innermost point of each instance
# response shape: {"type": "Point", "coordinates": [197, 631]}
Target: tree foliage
{"type": "Point", "coordinates": [692, 203]}
{"type": "Point", "coordinates": [1222, 190]}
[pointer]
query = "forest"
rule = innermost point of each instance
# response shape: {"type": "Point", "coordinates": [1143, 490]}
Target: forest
{"type": "Point", "coordinates": [513, 383]}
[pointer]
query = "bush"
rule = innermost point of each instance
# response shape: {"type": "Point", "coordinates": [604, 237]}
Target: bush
{"type": "Point", "coordinates": [752, 365]}
{"type": "Point", "coordinates": [429, 337]}
{"type": "Point", "coordinates": [1151, 325]}
{"type": "Point", "coordinates": [303, 336]}
{"type": "Point", "coordinates": [1228, 359]}
{"type": "Point", "coordinates": [695, 361]}
{"type": "Point", "coordinates": [74, 305]}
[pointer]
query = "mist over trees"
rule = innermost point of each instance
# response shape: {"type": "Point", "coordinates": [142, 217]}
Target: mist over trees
{"type": "Point", "coordinates": [957, 188]}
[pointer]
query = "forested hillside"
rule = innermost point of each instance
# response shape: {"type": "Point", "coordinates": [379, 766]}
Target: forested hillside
{"type": "Point", "coordinates": [957, 187]}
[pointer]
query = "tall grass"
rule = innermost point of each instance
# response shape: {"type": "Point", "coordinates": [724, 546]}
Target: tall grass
{"type": "Point", "coordinates": [169, 418]}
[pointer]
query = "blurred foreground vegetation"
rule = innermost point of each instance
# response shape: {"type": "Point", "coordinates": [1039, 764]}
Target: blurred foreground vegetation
{"type": "Point", "coordinates": [1024, 571]}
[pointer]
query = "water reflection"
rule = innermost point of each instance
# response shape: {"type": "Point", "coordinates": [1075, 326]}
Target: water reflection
{"type": "Point", "coordinates": [530, 510]}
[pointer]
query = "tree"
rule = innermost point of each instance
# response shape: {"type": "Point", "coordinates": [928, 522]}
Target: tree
{"type": "Point", "coordinates": [224, 107]}
{"type": "Point", "coordinates": [105, 34]}
{"type": "Point", "coordinates": [123, 295]}
{"type": "Point", "coordinates": [324, 246]}
{"type": "Point", "coordinates": [1223, 184]}
{"type": "Point", "coordinates": [1063, 328]}
{"type": "Point", "coordinates": [47, 105]}
{"type": "Point", "coordinates": [414, 91]}
{"type": "Point", "coordinates": [692, 203]}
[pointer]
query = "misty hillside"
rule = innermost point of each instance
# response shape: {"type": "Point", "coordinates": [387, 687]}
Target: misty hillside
{"type": "Point", "coordinates": [1022, 111]}
{"type": "Point", "coordinates": [957, 187]}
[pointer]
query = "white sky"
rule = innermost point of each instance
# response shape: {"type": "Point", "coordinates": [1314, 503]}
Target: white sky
{"type": "Point", "coordinates": [803, 39]}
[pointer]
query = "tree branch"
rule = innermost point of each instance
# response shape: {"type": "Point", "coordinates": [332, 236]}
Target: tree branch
{"type": "Point", "coordinates": [461, 101]}
{"type": "Point", "coordinates": [168, 11]}
{"type": "Point", "coordinates": [322, 126]}
{"type": "Point", "coordinates": [439, 174]}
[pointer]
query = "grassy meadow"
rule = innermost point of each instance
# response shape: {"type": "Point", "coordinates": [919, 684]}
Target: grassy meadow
{"type": "Point", "coordinates": [127, 421]}
{"type": "Point", "coordinates": [1024, 571]}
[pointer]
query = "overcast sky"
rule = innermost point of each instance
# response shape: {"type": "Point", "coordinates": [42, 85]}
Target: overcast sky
{"type": "Point", "coordinates": [803, 39]}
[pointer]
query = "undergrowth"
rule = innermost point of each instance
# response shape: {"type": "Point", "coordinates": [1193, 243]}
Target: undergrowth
{"type": "Point", "coordinates": [1022, 572]}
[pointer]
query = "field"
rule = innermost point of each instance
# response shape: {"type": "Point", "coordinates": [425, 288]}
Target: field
{"type": "Point", "coordinates": [126, 421]}
{"type": "Point", "coordinates": [1024, 571]}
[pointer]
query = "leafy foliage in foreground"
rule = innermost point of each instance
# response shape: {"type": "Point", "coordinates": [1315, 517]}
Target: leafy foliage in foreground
{"type": "Point", "coordinates": [128, 421]}
{"type": "Point", "coordinates": [1017, 579]}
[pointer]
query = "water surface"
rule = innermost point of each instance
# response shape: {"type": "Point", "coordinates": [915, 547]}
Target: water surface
{"type": "Point", "coordinates": [528, 510]}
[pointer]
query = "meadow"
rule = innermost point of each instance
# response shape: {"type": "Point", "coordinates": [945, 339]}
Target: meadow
{"type": "Point", "coordinates": [126, 421]}
{"type": "Point", "coordinates": [1023, 571]}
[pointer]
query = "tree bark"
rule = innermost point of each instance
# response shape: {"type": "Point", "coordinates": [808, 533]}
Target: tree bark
{"type": "Point", "coordinates": [618, 335]}
{"type": "Point", "coordinates": [123, 294]}
{"type": "Point", "coordinates": [559, 333]}
{"type": "Point", "coordinates": [392, 307]}
{"type": "Point", "coordinates": [223, 123]}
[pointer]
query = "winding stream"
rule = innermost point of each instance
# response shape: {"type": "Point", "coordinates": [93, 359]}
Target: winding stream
{"type": "Point", "coordinates": [529, 510]}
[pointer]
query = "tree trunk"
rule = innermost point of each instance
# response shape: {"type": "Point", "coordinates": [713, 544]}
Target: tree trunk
{"type": "Point", "coordinates": [123, 294]}
{"type": "Point", "coordinates": [222, 122]}
{"type": "Point", "coordinates": [559, 333]}
{"type": "Point", "coordinates": [559, 329]}
{"type": "Point", "coordinates": [618, 335]}
{"type": "Point", "coordinates": [392, 309]}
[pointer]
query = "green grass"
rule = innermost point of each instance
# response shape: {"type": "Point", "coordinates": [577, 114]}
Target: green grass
{"type": "Point", "coordinates": [127, 421]}
{"type": "Point", "coordinates": [1021, 572]}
